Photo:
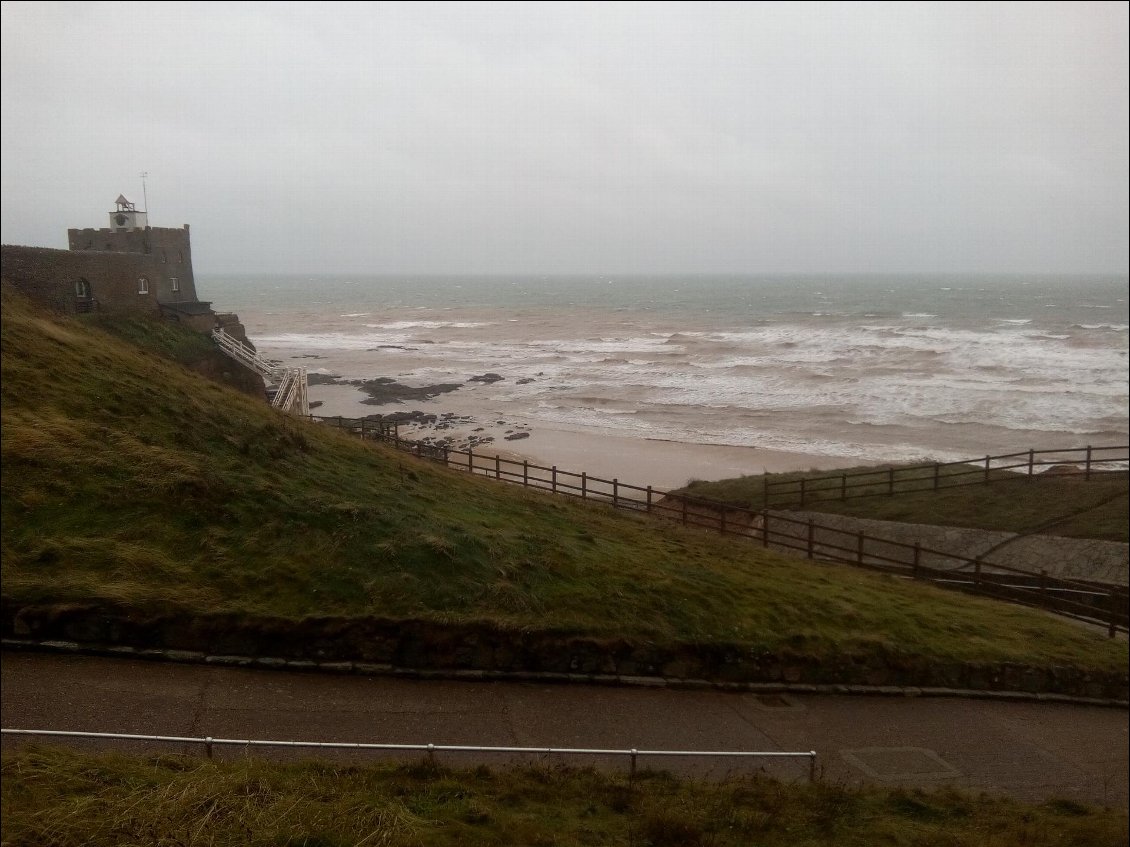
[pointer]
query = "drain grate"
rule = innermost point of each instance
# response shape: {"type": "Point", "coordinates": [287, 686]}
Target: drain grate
{"type": "Point", "coordinates": [900, 763]}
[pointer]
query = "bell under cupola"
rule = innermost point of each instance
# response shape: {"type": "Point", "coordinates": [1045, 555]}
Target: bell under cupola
{"type": "Point", "coordinates": [126, 216]}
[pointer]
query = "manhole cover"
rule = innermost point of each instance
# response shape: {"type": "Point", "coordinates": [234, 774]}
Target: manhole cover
{"type": "Point", "coordinates": [900, 763]}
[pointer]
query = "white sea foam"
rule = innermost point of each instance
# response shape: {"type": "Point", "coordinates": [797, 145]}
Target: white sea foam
{"type": "Point", "coordinates": [401, 325]}
{"type": "Point", "coordinates": [996, 369]}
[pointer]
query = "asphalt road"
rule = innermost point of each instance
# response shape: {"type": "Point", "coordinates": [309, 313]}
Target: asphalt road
{"type": "Point", "coordinates": [1032, 751]}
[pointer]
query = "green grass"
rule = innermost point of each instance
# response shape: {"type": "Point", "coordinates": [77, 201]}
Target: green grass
{"type": "Point", "coordinates": [51, 796]}
{"type": "Point", "coordinates": [130, 481]}
{"type": "Point", "coordinates": [1046, 503]}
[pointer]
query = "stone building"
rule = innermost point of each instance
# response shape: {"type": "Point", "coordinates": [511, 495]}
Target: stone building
{"type": "Point", "coordinates": [126, 268]}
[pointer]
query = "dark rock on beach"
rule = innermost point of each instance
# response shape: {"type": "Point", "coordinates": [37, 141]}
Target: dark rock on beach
{"type": "Point", "coordinates": [322, 379]}
{"type": "Point", "coordinates": [487, 378]}
{"type": "Point", "coordinates": [517, 436]}
{"type": "Point", "coordinates": [414, 417]}
{"type": "Point", "coordinates": [385, 390]}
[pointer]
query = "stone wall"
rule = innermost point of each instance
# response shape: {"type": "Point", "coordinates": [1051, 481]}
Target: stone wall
{"type": "Point", "coordinates": [49, 277]}
{"type": "Point", "coordinates": [427, 645]}
{"type": "Point", "coordinates": [169, 248]}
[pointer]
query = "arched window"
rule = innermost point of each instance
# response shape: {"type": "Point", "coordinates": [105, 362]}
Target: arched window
{"type": "Point", "coordinates": [82, 289]}
{"type": "Point", "coordinates": [142, 285]}
{"type": "Point", "coordinates": [175, 282]}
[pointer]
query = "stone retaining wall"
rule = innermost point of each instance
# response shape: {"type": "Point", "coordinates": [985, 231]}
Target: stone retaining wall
{"type": "Point", "coordinates": [425, 645]}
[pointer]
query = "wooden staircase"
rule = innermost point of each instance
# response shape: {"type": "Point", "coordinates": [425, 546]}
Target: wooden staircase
{"type": "Point", "coordinates": [286, 387]}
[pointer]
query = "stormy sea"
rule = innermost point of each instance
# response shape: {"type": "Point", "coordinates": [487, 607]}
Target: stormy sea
{"type": "Point", "coordinates": [868, 368]}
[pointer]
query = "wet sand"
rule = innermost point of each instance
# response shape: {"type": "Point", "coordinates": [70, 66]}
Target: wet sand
{"type": "Point", "coordinates": [664, 465]}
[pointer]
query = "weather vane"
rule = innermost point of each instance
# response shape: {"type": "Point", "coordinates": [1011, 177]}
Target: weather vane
{"type": "Point", "coordinates": [144, 193]}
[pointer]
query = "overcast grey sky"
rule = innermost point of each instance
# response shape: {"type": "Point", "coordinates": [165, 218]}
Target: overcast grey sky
{"type": "Point", "coordinates": [575, 137]}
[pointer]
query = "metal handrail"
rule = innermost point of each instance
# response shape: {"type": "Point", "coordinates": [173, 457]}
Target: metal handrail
{"type": "Point", "coordinates": [290, 393]}
{"type": "Point", "coordinates": [209, 743]}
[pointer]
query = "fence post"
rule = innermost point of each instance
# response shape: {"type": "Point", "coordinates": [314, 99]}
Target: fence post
{"type": "Point", "coordinates": [615, 492]}
{"type": "Point", "coordinates": [987, 460]}
{"type": "Point", "coordinates": [811, 534]}
{"type": "Point", "coordinates": [649, 499]}
{"type": "Point", "coordinates": [553, 480]}
{"type": "Point", "coordinates": [470, 460]}
{"type": "Point", "coordinates": [208, 746]}
{"type": "Point", "coordinates": [1031, 462]}
{"type": "Point", "coordinates": [363, 422]}
{"type": "Point", "coordinates": [812, 766]}
{"type": "Point", "coordinates": [1087, 469]}
{"type": "Point", "coordinates": [859, 547]}
{"type": "Point", "coordinates": [525, 473]}
{"type": "Point", "coordinates": [339, 424]}
{"type": "Point", "coordinates": [497, 467]}
{"type": "Point", "coordinates": [843, 487]}
{"type": "Point", "coordinates": [632, 771]}
{"type": "Point", "coordinates": [584, 485]}
{"type": "Point", "coordinates": [396, 436]}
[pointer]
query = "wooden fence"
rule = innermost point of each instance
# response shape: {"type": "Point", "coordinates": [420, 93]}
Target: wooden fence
{"type": "Point", "coordinates": [1087, 462]}
{"type": "Point", "coordinates": [1086, 600]}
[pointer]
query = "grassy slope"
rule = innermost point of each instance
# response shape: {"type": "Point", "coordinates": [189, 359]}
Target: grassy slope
{"type": "Point", "coordinates": [1052, 504]}
{"type": "Point", "coordinates": [65, 798]}
{"type": "Point", "coordinates": [129, 479]}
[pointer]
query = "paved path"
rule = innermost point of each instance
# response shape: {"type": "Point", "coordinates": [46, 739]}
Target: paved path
{"type": "Point", "coordinates": [1032, 751]}
{"type": "Point", "coordinates": [1069, 558]}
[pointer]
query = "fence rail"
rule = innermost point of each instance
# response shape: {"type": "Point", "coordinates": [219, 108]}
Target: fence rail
{"type": "Point", "coordinates": [209, 743]}
{"type": "Point", "coordinates": [1087, 462]}
{"type": "Point", "coordinates": [1079, 599]}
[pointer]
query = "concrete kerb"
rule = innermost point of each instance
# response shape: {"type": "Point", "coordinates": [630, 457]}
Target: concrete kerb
{"type": "Point", "coordinates": [371, 669]}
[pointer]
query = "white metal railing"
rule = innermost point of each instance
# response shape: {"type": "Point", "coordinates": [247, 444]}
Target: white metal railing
{"type": "Point", "coordinates": [290, 383]}
{"type": "Point", "coordinates": [633, 755]}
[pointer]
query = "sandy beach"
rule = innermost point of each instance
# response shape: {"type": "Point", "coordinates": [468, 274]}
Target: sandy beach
{"type": "Point", "coordinates": [662, 464]}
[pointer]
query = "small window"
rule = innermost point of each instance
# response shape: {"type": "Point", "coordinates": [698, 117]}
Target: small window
{"type": "Point", "coordinates": [164, 257]}
{"type": "Point", "coordinates": [82, 289]}
{"type": "Point", "coordinates": [180, 257]}
{"type": "Point", "coordinates": [142, 285]}
{"type": "Point", "coordinates": [175, 282]}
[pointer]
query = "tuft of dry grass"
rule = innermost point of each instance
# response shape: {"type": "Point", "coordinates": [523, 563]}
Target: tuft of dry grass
{"type": "Point", "coordinates": [63, 798]}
